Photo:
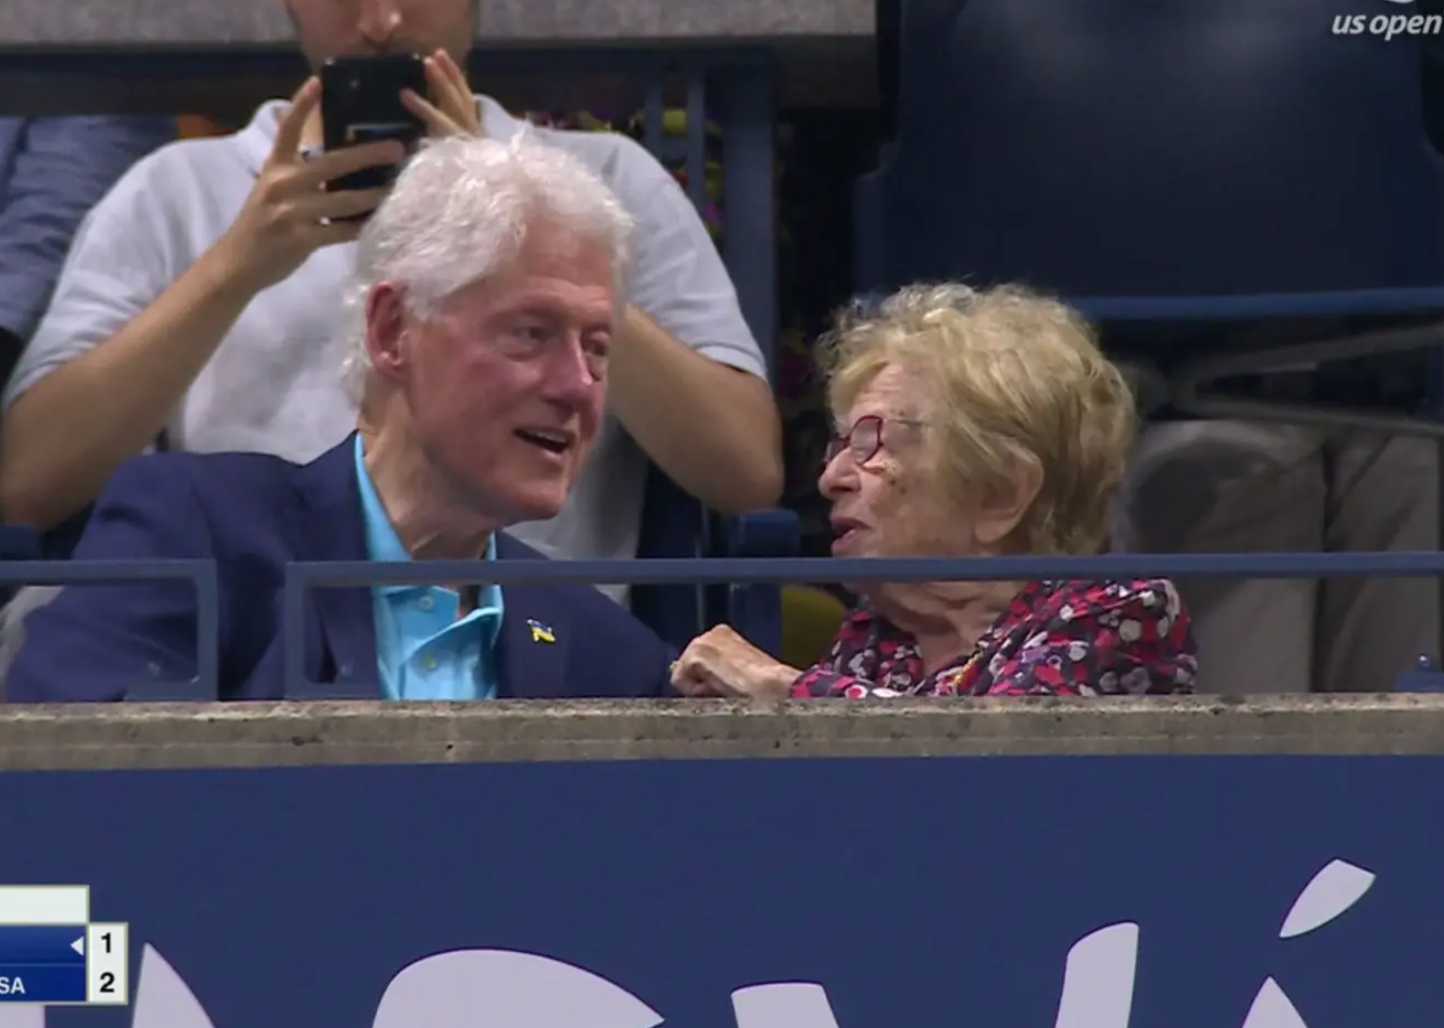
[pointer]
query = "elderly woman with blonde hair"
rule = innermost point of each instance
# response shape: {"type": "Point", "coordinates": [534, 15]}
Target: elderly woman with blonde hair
{"type": "Point", "coordinates": [972, 424]}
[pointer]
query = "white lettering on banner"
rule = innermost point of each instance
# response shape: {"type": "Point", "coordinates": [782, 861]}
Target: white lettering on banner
{"type": "Point", "coordinates": [1389, 26]}
{"type": "Point", "coordinates": [505, 989]}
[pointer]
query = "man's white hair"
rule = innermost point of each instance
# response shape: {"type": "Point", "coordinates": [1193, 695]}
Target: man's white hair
{"type": "Point", "coordinates": [460, 211]}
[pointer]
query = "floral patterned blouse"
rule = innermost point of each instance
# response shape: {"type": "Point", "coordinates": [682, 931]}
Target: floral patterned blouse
{"type": "Point", "coordinates": [1055, 639]}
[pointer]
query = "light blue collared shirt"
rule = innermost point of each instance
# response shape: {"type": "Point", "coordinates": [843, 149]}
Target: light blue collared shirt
{"type": "Point", "coordinates": [423, 651]}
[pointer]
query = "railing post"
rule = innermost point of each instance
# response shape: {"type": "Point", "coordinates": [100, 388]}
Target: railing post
{"type": "Point", "coordinates": [202, 576]}
{"type": "Point", "coordinates": [749, 192]}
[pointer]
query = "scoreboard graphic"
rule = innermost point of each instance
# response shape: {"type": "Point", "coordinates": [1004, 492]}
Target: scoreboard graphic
{"type": "Point", "coordinates": [51, 953]}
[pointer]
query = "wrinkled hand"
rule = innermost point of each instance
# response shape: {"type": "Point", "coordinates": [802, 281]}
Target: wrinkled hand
{"type": "Point", "coordinates": [289, 215]}
{"type": "Point", "coordinates": [719, 662]}
{"type": "Point", "coordinates": [452, 109]}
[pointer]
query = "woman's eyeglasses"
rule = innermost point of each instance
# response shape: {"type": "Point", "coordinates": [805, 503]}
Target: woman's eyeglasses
{"type": "Point", "coordinates": [863, 439]}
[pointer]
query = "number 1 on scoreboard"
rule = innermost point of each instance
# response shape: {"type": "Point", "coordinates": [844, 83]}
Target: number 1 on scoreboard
{"type": "Point", "coordinates": [107, 964]}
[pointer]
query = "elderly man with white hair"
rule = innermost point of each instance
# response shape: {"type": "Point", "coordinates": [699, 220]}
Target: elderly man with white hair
{"type": "Point", "coordinates": [488, 282]}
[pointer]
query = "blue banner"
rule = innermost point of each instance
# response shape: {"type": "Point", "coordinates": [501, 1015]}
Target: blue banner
{"type": "Point", "coordinates": [891, 893]}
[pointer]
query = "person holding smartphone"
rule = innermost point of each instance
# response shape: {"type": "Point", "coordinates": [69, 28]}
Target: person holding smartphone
{"type": "Point", "coordinates": [203, 304]}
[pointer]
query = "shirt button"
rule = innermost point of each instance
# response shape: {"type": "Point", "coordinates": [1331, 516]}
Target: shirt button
{"type": "Point", "coordinates": [426, 603]}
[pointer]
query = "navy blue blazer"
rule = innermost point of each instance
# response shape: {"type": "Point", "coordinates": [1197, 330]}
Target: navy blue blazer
{"type": "Point", "coordinates": [252, 514]}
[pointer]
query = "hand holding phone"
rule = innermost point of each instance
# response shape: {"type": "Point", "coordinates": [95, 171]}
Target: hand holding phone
{"type": "Point", "coordinates": [290, 214]}
{"type": "Point", "coordinates": [362, 101]}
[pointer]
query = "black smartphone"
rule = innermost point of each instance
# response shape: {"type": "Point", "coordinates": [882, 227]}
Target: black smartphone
{"type": "Point", "coordinates": [361, 103]}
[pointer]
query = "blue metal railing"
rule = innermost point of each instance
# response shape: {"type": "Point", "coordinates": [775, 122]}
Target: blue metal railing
{"type": "Point", "coordinates": [301, 577]}
{"type": "Point", "coordinates": [200, 573]}
{"type": "Point", "coordinates": [751, 571]}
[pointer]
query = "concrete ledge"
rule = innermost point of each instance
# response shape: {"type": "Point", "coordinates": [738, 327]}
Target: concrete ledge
{"type": "Point", "coordinates": [130, 23]}
{"type": "Point", "coordinates": [266, 735]}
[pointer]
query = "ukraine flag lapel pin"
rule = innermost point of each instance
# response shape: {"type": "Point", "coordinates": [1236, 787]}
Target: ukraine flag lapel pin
{"type": "Point", "coordinates": [540, 633]}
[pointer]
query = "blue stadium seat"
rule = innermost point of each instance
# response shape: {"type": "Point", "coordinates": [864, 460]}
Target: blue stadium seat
{"type": "Point", "coordinates": [674, 525]}
{"type": "Point", "coordinates": [1164, 162]}
{"type": "Point", "coordinates": [1424, 677]}
{"type": "Point", "coordinates": [677, 526]}
{"type": "Point", "coordinates": [17, 542]}
{"type": "Point", "coordinates": [756, 610]}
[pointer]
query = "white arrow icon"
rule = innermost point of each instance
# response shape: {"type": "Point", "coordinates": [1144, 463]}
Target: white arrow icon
{"type": "Point", "coordinates": [79, 945]}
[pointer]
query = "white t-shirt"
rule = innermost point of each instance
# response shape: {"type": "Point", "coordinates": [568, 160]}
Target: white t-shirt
{"type": "Point", "coordinates": [274, 384]}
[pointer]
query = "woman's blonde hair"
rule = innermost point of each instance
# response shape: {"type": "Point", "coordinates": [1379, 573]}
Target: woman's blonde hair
{"type": "Point", "coordinates": [1006, 377]}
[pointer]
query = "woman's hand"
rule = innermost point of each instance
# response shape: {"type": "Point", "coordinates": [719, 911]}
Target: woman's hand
{"type": "Point", "coordinates": [719, 662]}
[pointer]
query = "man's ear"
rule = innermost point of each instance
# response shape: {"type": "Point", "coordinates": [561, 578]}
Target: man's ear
{"type": "Point", "coordinates": [999, 516]}
{"type": "Point", "coordinates": [386, 324]}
